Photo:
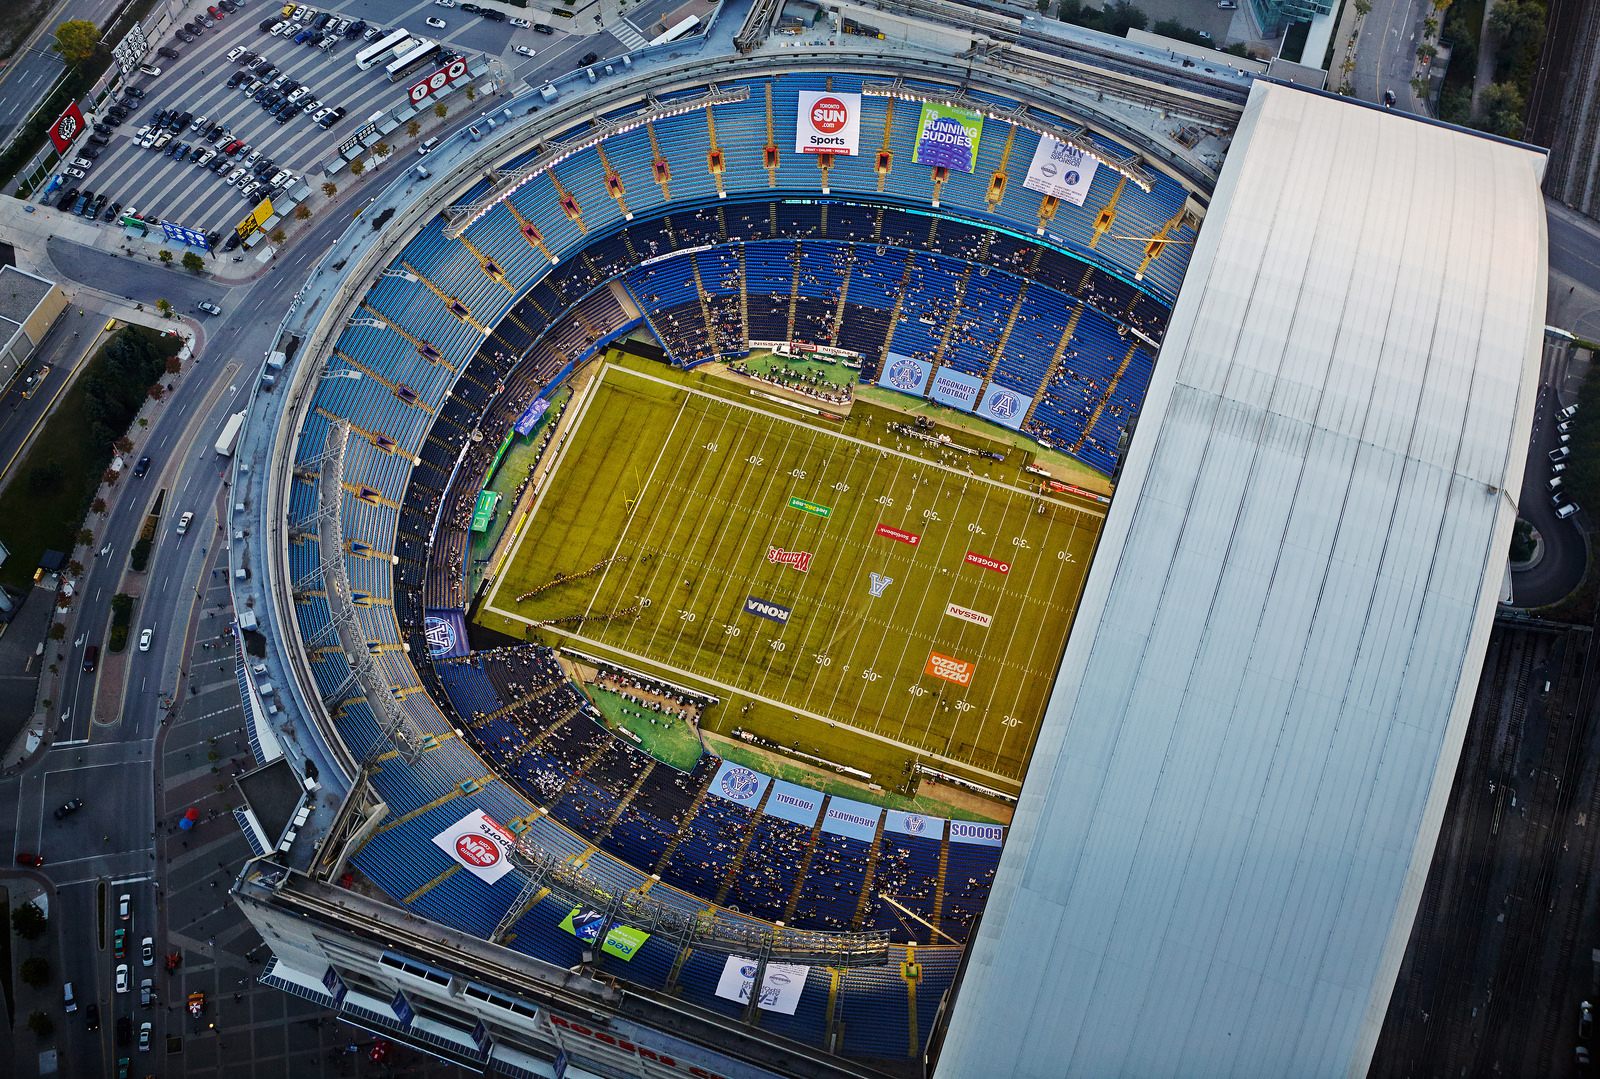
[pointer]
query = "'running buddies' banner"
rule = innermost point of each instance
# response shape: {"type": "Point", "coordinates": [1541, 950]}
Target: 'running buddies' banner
{"type": "Point", "coordinates": [948, 137]}
{"type": "Point", "coordinates": [739, 784]}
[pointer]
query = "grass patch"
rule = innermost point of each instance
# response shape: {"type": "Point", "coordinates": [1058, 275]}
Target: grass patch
{"type": "Point", "coordinates": [121, 619]}
{"type": "Point", "coordinates": [666, 738]}
{"type": "Point", "coordinates": [44, 501]}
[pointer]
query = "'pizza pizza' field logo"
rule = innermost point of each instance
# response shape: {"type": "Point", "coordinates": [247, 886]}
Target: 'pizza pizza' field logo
{"type": "Point", "coordinates": [949, 668]}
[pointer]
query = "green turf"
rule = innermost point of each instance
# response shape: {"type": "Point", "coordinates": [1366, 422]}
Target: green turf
{"type": "Point", "coordinates": [668, 740]}
{"type": "Point", "coordinates": [662, 514]}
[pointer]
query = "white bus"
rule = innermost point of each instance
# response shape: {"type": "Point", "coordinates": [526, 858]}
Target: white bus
{"type": "Point", "coordinates": [380, 48]}
{"type": "Point", "coordinates": [411, 58]}
{"type": "Point", "coordinates": [682, 28]}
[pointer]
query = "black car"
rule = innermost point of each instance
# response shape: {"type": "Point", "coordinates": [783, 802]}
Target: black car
{"type": "Point", "coordinates": [266, 24]}
{"type": "Point", "coordinates": [91, 1017]}
{"type": "Point", "coordinates": [134, 91]}
{"type": "Point", "coordinates": [194, 28]}
{"type": "Point", "coordinates": [492, 15]}
{"type": "Point", "coordinates": [100, 138]}
{"type": "Point", "coordinates": [101, 128]}
{"type": "Point", "coordinates": [67, 199]}
{"type": "Point", "coordinates": [169, 52]}
{"type": "Point", "coordinates": [474, 8]}
{"type": "Point", "coordinates": [185, 119]}
{"type": "Point", "coordinates": [220, 165]}
{"type": "Point", "coordinates": [124, 1030]}
{"type": "Point", "coordinates": [99, 204]}
{"type": "Point", "coordinates": [228, 6]}
{"type": "Point", "coordinates": [65, 811]}
{"type": "Point", "coordinates": [235, 79]}
{"type": "Point", "coordinates": [589, 58]}
{"type": "Point", "coordinates": [185, 37]}
{"type": "Point", "coordinates": [231, 242]}
{"type": "Point", "coordinates": [541, 28]}
{"type": "Point", "coordinates": [110, 214]}
{"type": "Point", "coordinates": [355, 29]}
{"type": "Point", "coordinates": [89, 152]}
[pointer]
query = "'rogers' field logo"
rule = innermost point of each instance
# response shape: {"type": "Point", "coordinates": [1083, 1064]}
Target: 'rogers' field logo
{"type": "Point", "coordinates": [986, 562]}
{"type": "Point", "coordinates": [829, 115]}
{"type": "Point", "coordinates": [476, 850]}
{"type": "Point", "coordinates": [800, 560]}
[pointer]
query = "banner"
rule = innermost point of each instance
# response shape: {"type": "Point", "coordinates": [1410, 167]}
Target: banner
{"type": "Point", "coordinates": [530, 416]}
{"type": "Point", "coordinates": [904, 374]}
{"type": "Point", "coordinates": [736, 783]}
{"type": "Point", "coordinates": [949, 668]}
{"type": "Point", "coordinates": [955, 388]}
{"type": "Point", "coordinates": [255, 220]}
{"type": "Point", "coordinates": [183, 234]}
{"type": "Point", "coordinates": [1060, 170]}
{"type": "Point", "coordinates": [890, 532]}
{"type": "Point", "coordinates": [477, 842]}
{"type": "Point", "coordinates": [762, 608]}
{"type": "Point", "coordinates": [445, 629]}
{"type": "Point", "coordinates": [483, 510]}
{"type": "Point", "coordinates": [827, 123]}
{"type": "Point", "coordinates": [980, 835]}
{"type": "Point", "coordinates": [403, 1011]}
{"type": "Point", "coordinates": [914, 824]}
{"type": "Point", "coordinates": [1004, 406]}
{"type": "Point", "coordinates": [451, 73]}
{"type": "Point", "coordinates": [793, 803]}
{"type": "Point", "coordinates": [781, 984]}
{"type": "Point", "coordinates": [622, 941]}
{"type": "Point", "coordinates": [847, 817]}
{"type": "Point", "coordinates": [68, 126]}
{"type": "Point", "coordinates": [948, 137]}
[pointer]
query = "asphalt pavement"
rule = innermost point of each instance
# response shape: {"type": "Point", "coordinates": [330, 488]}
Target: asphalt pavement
{"type": "Point", "coordinates": [1386, 52]}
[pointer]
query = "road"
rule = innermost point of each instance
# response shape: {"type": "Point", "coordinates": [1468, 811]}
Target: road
{"type": "Point", "coordinates": [1386, 52]}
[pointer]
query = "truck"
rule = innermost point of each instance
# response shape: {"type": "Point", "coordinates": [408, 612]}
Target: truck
{"type": "Point", "coordinates": [229, 438]}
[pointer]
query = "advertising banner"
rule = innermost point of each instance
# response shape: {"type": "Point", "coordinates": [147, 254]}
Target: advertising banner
{"type": "Point", "coordinates": [890, 532]}
{"type": "Point", "coordinates": [790, 802]}
{"type": "Point", "coordinates": [255, 220]}
{"type": "Point", "coordinates": [948, 137]}
{"type": "Point", "coordinates": [781, 984]}
{"type": "Point", "coordinates": [1060, 170]}
{"type": "Point", "coordinates": [827, 123]}
{"type": "Point", "coordinates": [483, 510]}
{"type": "Point", "coordinates": [975, 559]}
{"type": "Point", "coordinates": [183, 234]}
{"type": "Point", "coordinates": [800, 560]}
{"type": "Point", "coordinates": [764, 608]}
{"type": "Point", "coordinates": [478, 842]}
{"type": "Point", "coordinates": [949, 668]}
{"type": "Point", "coordinates": [401, 1006]}
{"type": "Point", "coordinates": [335, 985]}
{"type": "Point", "coordinates": [736, 783]}
{"type": "Point", "coordinates": [451, 73]}
{"type": "Point", "coordinates": [956, 389]}
{"type": "Point", "coordinates": [904, 374]}
{"type": "Point", "coordinates": [913, 824]}
{"type": "Point", "coordinates": [1004, 406]}
{"type": "Point", "coordinates": [530, 416]}
{"type": "Point", "coordinates": [131, 49]}
{"type": "Point", "coordinates": [68, 126]}
{"type": "Point", "coordinates": [847, 817]}
{"type": "Point", "coordinates": [967, 614]}
{"type": "Point", "coordinates": [980, 835]}
{"type": "Point", "coordinates": [622, 941]}
{"type": "Point", "coordinates": [446, 631]}
{"type": "Point", "coordinates": [805, 505]}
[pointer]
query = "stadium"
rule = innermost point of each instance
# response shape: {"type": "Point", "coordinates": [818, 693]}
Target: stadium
{"type": "Point", "coordinates": [984, 532]}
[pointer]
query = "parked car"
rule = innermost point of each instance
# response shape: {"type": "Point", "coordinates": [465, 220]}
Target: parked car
{"type": "Point", "coordinates": [522, 50]}
{"type": "Point", "coordinates": [541, 28]}
{"type": "Point", "coordinates": [124, 981]}
{"type": "Point", "coordinates": [436, 23]}
{"type": "Point", "coordinates": [144, 1037]}
{"type": "Point", "coordinates": [124, 907]}
{"type": "Point", "coordinates": [29, 858]}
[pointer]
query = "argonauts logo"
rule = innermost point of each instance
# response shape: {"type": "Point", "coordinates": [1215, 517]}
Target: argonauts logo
{"type": "Point", "coordinates": [440, 634]}
{"type": "Point", "coordinates": [915, 824]}
{"type": "Point", "coordinates": [740, 784]}
{"type": "Point", "coordinates": [906, 374]}
{"type": "Point", "coordinates": [1004, 405]}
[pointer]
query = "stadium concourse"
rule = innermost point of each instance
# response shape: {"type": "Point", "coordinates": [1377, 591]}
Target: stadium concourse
{"type": "Point", "coordinates": [485, 870]}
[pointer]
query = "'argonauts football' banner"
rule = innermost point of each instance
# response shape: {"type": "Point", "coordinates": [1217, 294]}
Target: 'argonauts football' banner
{"type": "Point", "coordinates": [799, 805]}
{"type": "Point", "coordinates": [1004, 406]}
{"type": "Point", "coordinates": [1060, 170]}
{"type": "Point", "coordinates": [781, 984]}
{"type": "Point", "coordinates": [913, 824]}
{"type": "Point", "coordinates": [847, 817]}
{"type": "Point", "coordinates": [948, 137]}
{"type": "Point", "coordinates": [903, 373]}
{"type": "Point", "coordinates": [739, 784]}
{"type": "Point", "coordinates": [827, 123]}
{"type": "Point", "coordinates": [446, 631]}
{"type": "Point", "coordinates": [478, 842]}
{"type": "Point", "coordinates": [955, 388]}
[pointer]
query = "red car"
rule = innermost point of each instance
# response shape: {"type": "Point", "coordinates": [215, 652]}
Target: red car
{"type": "Point", "coordinates": [26, 858]}
{"type": "Point", "coordinates": [214, 13]}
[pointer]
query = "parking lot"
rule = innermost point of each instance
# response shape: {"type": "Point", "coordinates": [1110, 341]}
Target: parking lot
{"type": "Point", "coordinates": [185, 189]}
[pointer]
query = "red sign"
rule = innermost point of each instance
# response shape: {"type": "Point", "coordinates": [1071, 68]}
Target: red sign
{"type": "Point", "coordinates": [949, 668]}
{"type": "Point", "coordinates": [478, 851]}
{"type": "Point", "coordinates": [899, 534]}
{"type": "Point", "coordinates": [445, 76]}
{"type": "Point", "coordinates": [800, 560]}
{"type": "Point", "coordinates": [68, 126]}
{"type": "Point", "coordinates": [988, 563]}
{"type": "Point", "coordinates": [828, 115]}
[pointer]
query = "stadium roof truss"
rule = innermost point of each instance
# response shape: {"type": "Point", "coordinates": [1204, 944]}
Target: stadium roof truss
{"type": "Point", "coordinates": [460, 218]}
{"type": "Point", "coordinates": [1076, 136]}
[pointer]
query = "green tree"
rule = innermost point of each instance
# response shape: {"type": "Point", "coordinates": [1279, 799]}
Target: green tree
{"type": "Point", "coordinates": [413, 128]}
{"type": "Point", "coordinates": [330, 189]}
{"type": "Point", "coordinates": [28, 921]}
{"type": "Point", "coordinates": [165, 256]}
{"type": "Point", "coordinates": [77, 40]}
{"type": "Point", "coordinates": [41, 1025]}
{"type": "Point", "coordinates": [1363, 7]}
{"type": "Point", "coordinates": [164, 306]}
{"type": "Point", "coordinates": [1503, 107]}
{"type": "Point", "coordinates": [193, 262]}
{"type": "Point", "coordinates": [440, 109]}
{"type": "Point", "coordinates": [35, 971]}
{"type": "Point", "coordinates": [58, 631]}
{"type": "Point", "coordinates": [383, 149]}
{"type": "Point", "coordinates": [472, 93]}
{"type": "Point", "coordinates": [1517, 21]}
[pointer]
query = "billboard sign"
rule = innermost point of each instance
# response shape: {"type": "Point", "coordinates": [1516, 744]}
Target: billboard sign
{"type": "Point", "coordinates": [781, 984]}
{"type": "Point", "coordinates": [736, 783]}
{"type": "Point", "coordinates": [982, 835]}
{"type": "Point", "coordinates": [530, 416]}
{"type": "Point", "coordinates": [68, 126]}
{"type": "Point", "coordinates": [794, 803]}
{"type": "Point", "coordinates": [183, 234]}
{"type": "Point", "coordinates": [131, 49]}
{"type": "Point", "coordinates": [1004, 406]}
{"type": "Point", "coordinates": [1061, 170]}
{"type": "Point", "coordinates": [478, 842]}
{"type": "Point", "coordinates": [914, 824]}
{"type": "Point", "coordinates": [904, 373]}
{"type": "Point", "coordinates": [847, 817]}
{"type": "Point", "coordinates": [445, 629]}
{"type": "Point", "coordinates": [622, 941]}
{"type": "Point", "coordinates": [827, 123]}
{"type": "Point", "coordinates": [955, 388]}
{"type": "Point", "coordinates": [255, 220]}
{"type": "Point", "coordinates": [446, 76]}
{"type": "Point", "coordinates": [948, 137]}
{"type": "Point", "coordinates": [401, 1006]}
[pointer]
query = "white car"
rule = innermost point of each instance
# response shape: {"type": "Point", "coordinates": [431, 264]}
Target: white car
{"type": "Point", "coordinates": [82, 163]}
{"type": "Point", "coordinates": [524, 23]}
{"type": "Point", "coordinates": [280, 28]}
{"type": "Point", "coordinates": [321, 114]}
{"type": "Point", "coordinates": [147, 951]}
{"type": "Point", "coordinates": [76, 174]}
{"type": "Point", "coordinates": [123, 982]}
{"type": "Point", "coordinates": [444, 3]}
{"type": "Point", "coordinates": [1567, 511]}
{"type": "Point", "coordinates": [437, 24]}
{"type": "Point", "coordinates": [124, 906]}
{"type": "Point", "coordinates": [188, 515]}
{"type": "Point", "coordinates": [523, 50]}
{"type": "Point", "coordinates": [250, 161]}
{"type": "Point", "coordinates": [149, 69]}
{"type": "Point", "coordinates": [144, 638]}
{"type": "Point", "coordinates": [235, 52]}
{"type": "Point", "coordinates": [144, 1037]}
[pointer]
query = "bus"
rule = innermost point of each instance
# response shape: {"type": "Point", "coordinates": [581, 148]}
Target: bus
{"type": "Point", "coordinates": [380, 48]}
{"type": "Point", "coordinates": [408, 60]}
{"type": "Point", "coordinates": [682, 28]}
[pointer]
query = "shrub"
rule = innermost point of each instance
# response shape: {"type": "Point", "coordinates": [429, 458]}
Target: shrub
{"type": "Point", "coordinates": [35, 972]}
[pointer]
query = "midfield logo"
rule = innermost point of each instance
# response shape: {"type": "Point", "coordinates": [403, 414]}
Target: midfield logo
{"type": "Point", "coordinates": [879, 584]}
{"type": "Point", "coordinates": [800, 560]}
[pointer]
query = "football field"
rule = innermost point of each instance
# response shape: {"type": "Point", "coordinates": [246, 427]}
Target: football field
{"type": "Point", "coordinates": [852, 592]}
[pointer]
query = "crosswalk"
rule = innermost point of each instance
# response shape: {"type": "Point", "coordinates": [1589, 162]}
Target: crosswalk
{"type": "Point", "coordinates": [624, 31]}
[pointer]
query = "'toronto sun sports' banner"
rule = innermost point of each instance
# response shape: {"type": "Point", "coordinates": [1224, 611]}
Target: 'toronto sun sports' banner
{"type": "Point", "coordinates": [948, 137]}
{"type": "Point", "coordinates": [1060, 170]}
{"type": "Point", "coordinates": [827, 123]}
{"type": "Point", "coordinates": [478, 842]}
